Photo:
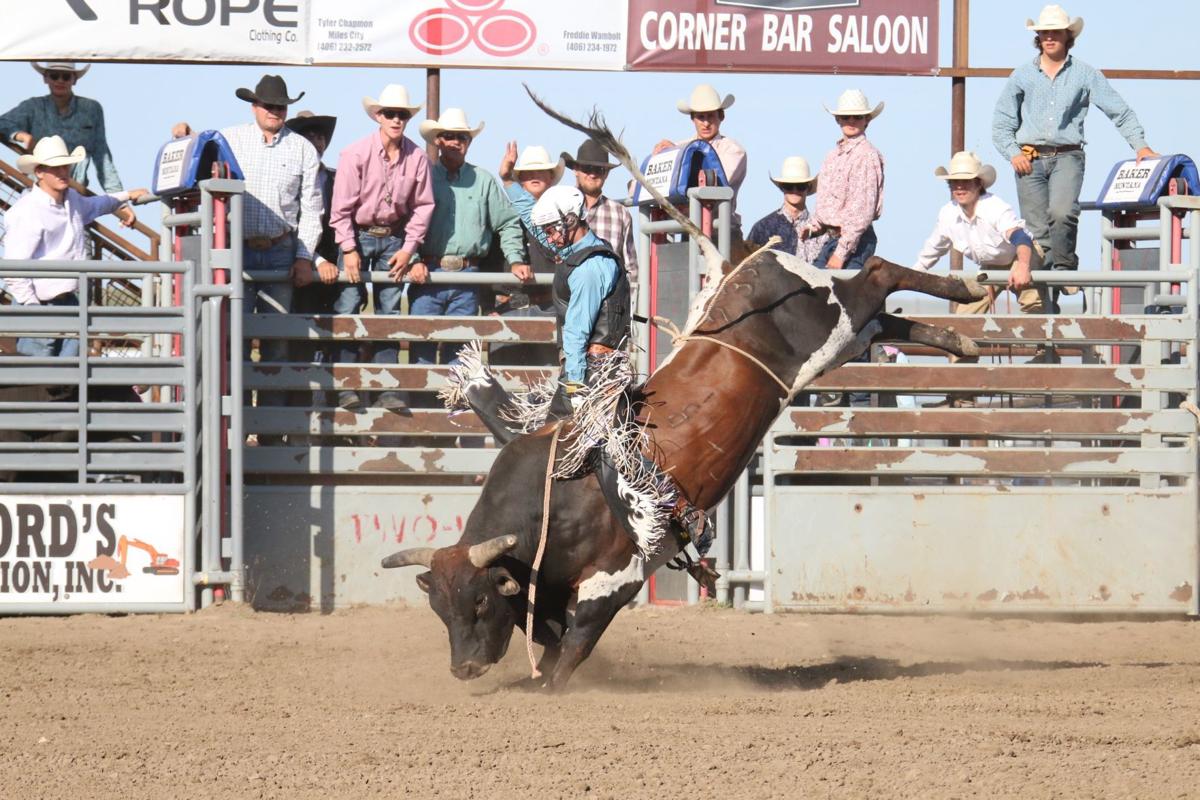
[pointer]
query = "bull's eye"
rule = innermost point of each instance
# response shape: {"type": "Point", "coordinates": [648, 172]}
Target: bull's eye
{"type": "Point", "coordinates": [481, 604]}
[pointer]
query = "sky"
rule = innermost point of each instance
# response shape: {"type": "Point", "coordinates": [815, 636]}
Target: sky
{"type": "Point", "coordinates": [774, 116]}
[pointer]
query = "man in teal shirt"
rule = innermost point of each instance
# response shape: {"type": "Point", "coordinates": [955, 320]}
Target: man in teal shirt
{"type": "Point", "coordinates": [469, 207]}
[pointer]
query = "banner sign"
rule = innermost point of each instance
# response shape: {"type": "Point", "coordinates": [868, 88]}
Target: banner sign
{"type": "Point", "coordinates": [855, 36]}
{"type": "Point", "coordinates": [72, 551]}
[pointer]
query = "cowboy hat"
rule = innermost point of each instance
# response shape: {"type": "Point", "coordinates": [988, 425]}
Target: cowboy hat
{"type": "Point", "coordinates": [305, 121]}
{"type": "Point", "coordinates": [270, 91]}
{"type": "Point", "coordinates": [452, 119]}
{"type": "Point", "coordinates": [964, 166]}
{"type": "Point", "coordinates": [853, 102]}
{"type": "Point", "coordinates": [1055, 18]}
{"type": "Point", "coordinates": [704, 98]}
{"type": "Point", "coordinates": [536, 157]}
{"type": "Point", "coordinates": [795, 170]}
{"type": "Point", "coordinates": [590, 154]}
{"type": "Point", "coordinates": [60, 66]}
{"type": "Point", "coordinates": [393, 96]}
{"type": "Point", "coordinates": [50, 151]}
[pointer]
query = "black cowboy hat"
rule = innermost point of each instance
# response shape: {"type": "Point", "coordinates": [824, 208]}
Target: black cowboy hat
{"type": "Point", "coordinates": [305, 121]}
{"type": "Point", "coordinates": [591, 154]}
{"type": "Point", "coordinates": [270, 91]}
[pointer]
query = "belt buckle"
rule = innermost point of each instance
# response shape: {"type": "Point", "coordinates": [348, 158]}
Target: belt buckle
{"type": "Point", "coordinates": [379, 231]}
{"type": "Point", "coordinates": [259, 243]}
{"type": "Point", "coordinates": [452, 263]}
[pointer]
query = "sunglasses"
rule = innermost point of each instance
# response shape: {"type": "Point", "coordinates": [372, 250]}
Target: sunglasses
{"type": "Point", "coordinates": [850, 116]}
{"type": "Point", "coordinates": [589, 169]}
{"type": "Point", "coordinates": [794, 187]}
{"type": "Point", "coordinates": [454, 136]}
{"type": "Point", "coordinates": [395, 113]}
{"type": "Point", "coordinates": [61, 76]}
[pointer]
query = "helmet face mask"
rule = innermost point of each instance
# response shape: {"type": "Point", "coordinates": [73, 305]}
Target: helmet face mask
{"type": "Point", "coordinates": [559, 212]}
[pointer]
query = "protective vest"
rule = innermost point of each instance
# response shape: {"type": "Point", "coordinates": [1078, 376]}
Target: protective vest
{"type": "Point", "coordinates": [611, 327]}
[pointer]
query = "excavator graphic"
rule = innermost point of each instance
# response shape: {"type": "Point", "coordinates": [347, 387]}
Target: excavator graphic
{"type": "Point", "coordinates": [160, 563]}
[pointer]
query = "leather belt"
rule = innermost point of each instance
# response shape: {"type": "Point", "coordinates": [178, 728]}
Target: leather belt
{"type": "Point", "coordinates": [265, 242]}
{"type": "Point", "coordinates": [1048, 150]}
{"type": "Point", "coordinates": [382, 231]}
{"type": "Point", "coordinates": [452, 263]}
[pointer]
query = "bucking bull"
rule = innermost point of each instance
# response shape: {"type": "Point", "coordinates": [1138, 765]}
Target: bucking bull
{"type": "Point", "coordinates": [756, 335]}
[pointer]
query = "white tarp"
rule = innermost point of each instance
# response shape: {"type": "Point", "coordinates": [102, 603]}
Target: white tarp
{"type": "Point", "coordinates": [529, 34]}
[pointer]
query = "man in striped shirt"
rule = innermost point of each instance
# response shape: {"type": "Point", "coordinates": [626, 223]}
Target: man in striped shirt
{"type": "Point", "coordinates": [606, 218]}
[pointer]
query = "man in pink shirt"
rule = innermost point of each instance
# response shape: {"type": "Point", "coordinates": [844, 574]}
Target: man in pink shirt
{"type": "Point", "coordinates": [382, 203]}
{"type": "Point", "coordinates": [851, 188]}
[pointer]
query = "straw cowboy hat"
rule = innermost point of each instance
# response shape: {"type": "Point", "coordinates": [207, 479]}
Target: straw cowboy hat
{"type": "Point", "coordinates": [964, 166]}
{"type": "Point", "coordinates": [60, 66]}
{"type": "Point", "coordinates": [393, 96]}
{"type": "Point", "coordinates": [452, 119]}
{"type": "Point", "coordinates": [590, 154]}
{"type": "Point", "coordinates": [536, 157]}
{"type": "Point", "coordinates": [1055, 18]}
{"type": "Point", "coordinates": [795, 170]}
{"type": "Point", "coordinates": [50, 151]}
{"type": "Point", "coordinates": [853, 102]}
{"type": "Point", "coordinates": [704, 98]}
{"type": "Point", "coordinates": [271, 91]}
{"type": "Point", "coordinates": [305, 121]}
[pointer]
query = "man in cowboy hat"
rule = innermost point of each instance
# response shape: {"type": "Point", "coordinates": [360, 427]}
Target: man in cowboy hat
{"type": "Point", "coordinates": [78, 120]}
{"type": "Point", "coordinates": [470, 211]}
{"type": "Point", "coordinates": [706, 108]}
{"type": "Point", "coordinates": [607, 218]}
{"type": "Point", "coordinates": [382, 202]}
{"type": "Point", "coordinates": [851, 188]}
{"type": "Point", "coordinates": [47, 223]}
{"type": "Point", "coordinates": [282, 221]}
{"type": "Point", "coordinates": [796, 183]}
{"type": "Point", "coordinates": [1038, 127]}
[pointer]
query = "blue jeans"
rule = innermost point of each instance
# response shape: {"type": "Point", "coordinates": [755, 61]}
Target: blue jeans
{"type": "Point", "coordinates": [857, 258]}
{"type": "Point", "coordinates": [429, 300]}
{"type": "Point", "coordinates": [1049, 201]}
{"type": "Point", "coordinates": [270, 298]}
{"type": "Point", "coordinates": [376, 251]}
{"type": "Point", "coordinates": [39, 347]}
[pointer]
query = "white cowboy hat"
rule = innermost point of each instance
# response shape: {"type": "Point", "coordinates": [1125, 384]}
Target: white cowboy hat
{"type": "Point", "coordinates": [964, 166]}
{"type": "Point", "coordinates": [853, 102]}
{"type": "Point", "coordinates": [704, 98]}
{"type": "Point", "coordinates": [393, 96]}
{"type": "Point", "coordinates": [50, 151]}
{"type": "Point", "coordinates": [1055, 18]}
{"type": "Point", "coordinates": [536, 157]}
{"type": "Point", "coordinates": [795, 170]}
{"type": "Point", "coordinates": [452, 119]}
{"type": "Point", "coordinates": [60, 66]}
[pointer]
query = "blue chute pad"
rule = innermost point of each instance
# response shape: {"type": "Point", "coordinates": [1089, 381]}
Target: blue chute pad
{"type": "Point", "coordinates": [1129, 185]}
{"type": "Point", "coordinates": [182, 163]}
{"type": "Point", "coordinates": [689, 161]}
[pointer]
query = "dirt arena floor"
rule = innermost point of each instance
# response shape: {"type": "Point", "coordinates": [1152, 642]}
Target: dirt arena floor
{"type": "Point", "coordinates": [698, 702]}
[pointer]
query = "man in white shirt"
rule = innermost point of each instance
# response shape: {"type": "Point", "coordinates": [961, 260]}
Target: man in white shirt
{"type": "Point", "coordinates": [48, 223]}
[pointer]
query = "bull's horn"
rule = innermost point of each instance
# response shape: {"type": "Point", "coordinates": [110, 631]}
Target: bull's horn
{"type": "Point", "coordinates": [485, 553]}
{"type": "Point", "coordinates": [415, 557]}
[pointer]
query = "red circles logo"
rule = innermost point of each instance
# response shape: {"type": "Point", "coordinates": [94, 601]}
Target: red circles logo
{"type": "Point", "coordinates": [492, 29]}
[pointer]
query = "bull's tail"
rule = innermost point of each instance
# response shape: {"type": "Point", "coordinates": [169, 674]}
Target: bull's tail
{"type": "Point", "coordinates": [596, 128]}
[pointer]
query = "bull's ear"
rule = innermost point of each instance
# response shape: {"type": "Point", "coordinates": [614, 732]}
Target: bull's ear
{"type": "Point", "coordinates": [423, 581]}
{"type": "Point", "coordinates": [505, 583]}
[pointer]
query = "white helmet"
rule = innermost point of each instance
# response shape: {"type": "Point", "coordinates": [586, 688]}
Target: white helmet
{"type": "Point", "coordinates": [558, 204]}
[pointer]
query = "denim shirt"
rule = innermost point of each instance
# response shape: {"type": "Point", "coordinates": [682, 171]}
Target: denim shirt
{"type": "Point", "coordinates": [1036, 109]}
{"type": "Point", "coordinates": [590, 283]}
{"type": "Point", "coordinates": [83, 125]}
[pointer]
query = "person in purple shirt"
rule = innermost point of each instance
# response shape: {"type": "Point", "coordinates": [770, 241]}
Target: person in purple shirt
{"type": "Point", "coordinates": [382, 203]}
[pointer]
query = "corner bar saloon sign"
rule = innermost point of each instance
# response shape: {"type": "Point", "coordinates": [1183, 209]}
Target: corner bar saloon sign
{"type": "Point", "coordinates": [863, 36]}
{"type": "Point", "coordinates": [70, 552]}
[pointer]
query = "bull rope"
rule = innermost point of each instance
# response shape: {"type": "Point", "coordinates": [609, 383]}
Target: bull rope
{"type": "Point", "coordinates": [536, 673]}
{"type": "Point", "coordinates": [677, 337]}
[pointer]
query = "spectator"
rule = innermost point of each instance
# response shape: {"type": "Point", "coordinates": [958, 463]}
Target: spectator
{"type": "Point", "coordinates": [48, 223]}
{"type": "Point", "coordinates": [606, 218]}
{"type": "Point", "coordinates": [78, 120]}
{"type": "Point", "coordinates": [986, 230]}
{"type": "Point", "coordinates": [469, 211]}
{"type": "Point", "coordinates": [796, 183]}
{"type": "Point", "coordinates": [851, 188]}
{"type": "Point", "coordinates": [1038, 127]}
{"type": "Point", "coordinates": [707, 112]}
{"type": "Point", "coordinates": [382, 202]}
{"type": "Point", "coordinates": [282, 209]}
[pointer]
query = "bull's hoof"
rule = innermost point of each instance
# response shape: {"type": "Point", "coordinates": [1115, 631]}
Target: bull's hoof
{"type": "Point", "coordinates": [977, 291]}
{"type": "Point", "coordinates": [967, 347]}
